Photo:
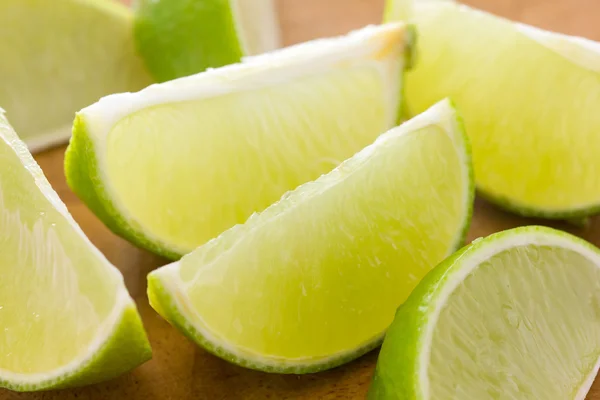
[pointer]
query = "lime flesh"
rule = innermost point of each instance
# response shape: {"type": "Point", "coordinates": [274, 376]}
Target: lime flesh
{"type": "Point", "coordinates": [529, 99]}
{"type": "Point", "coordinates": [182, 37]}
{"type": "Point", "coordinates": [314, 280]}
{"type": "Point", "coordinates": [178, 163]}
{"type": "Point", "coordinates": [514, 315]}
{"type": "Point", "coordinates": [59, 56]}
{"type": "Point", "coordinates": [61, 303]}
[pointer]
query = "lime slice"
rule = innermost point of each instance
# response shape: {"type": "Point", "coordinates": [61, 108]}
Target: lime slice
{"type": "Point", "coordinates": [314, 280]}
{"type": "Point", "coordinates": [530, 101]}
{"type": "Point", "coordinates": [59, 56]}
{"type": "Point", "coordinates": [66, 318]}
{"type": "Point", "coordinates": [176, 164]}
{"type": "Point", "coordinates": [512, 316]}
{"type": "Point", "coordinates": [182, 37]}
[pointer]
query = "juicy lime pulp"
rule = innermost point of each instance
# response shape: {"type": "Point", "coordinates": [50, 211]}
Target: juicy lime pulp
{"type": "Point", "coordinates": [60, 299]}
{"type": "Point", "coordinates": [182, 37]}
{"type": "Point", "coordinates": [529, 100]}
{"type": "Point", "coordinates": [178, 163]}
{"type": "Point", "coordinates": [515, 315]}
{"type": "Point", "coordinates": [67, 67]}
{"type": "Point", "coordinates": [314, 280]}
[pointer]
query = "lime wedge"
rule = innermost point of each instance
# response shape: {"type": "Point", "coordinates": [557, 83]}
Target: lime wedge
{"type": "Point", "coordinates": [530, 100]}
{"type": "Point", "coordinates": [182, 37]}
{"type": "Point", "coordinates": [66, 318]}
{"type": "Point", "coordinates": [176, 164]}
{"type": "Point", "coordinates": [314, 280]}
{"type": "Point", "coordinates": [513, 316]}
{"type": "Point", "coordinates": [59, 56]}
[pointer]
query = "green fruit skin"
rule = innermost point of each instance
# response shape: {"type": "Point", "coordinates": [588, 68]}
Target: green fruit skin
{"type": "Point", "coordinates": [397, 373]}
{"type": "Point", "coordinates": [576, 216]}
{"type": "Point", "coordinates": [126, 349]}
{"type": "Point", "coordinates": [178, 38]}
{"type": "Point", "coordinates": [81, 171]}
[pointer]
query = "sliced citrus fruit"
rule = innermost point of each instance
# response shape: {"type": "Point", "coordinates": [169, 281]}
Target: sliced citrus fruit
{"type": "Point", "coordinates": [515, 315]}
{"type": "Point", "coordinates": [178, 163]}
{"type": "Point", "coordinates": [314, 280]}
{"type": "Point", "coordinates": [182, 37]}
{"type": "Point", "coordinates": [529, 99]}
{"type": "Point", "coordinates": [66, 318]}
{"type": "Point", "coordinates": [59, 56]}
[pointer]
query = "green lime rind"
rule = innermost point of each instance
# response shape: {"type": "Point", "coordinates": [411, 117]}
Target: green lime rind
{"type": "Point", "coordinates": [162, 301]}
{"type": "Point", "coordinates": [125, 349]}
{"type": "Point", "coordinates": [397, 373]}
{"type": "Point", "coordinates": [83, 177]}
{"type": "Point", "coordinates": [569, 215]}
{"type": "Point", "coordinates": [181, 37]}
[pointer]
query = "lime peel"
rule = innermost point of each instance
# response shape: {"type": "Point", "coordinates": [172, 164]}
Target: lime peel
{"type": "Point", "coordinates": [39, 232]}
{"type": "Point", "coordinates": [406, 358]}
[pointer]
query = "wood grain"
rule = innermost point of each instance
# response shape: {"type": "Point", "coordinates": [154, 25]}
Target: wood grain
{"type": "Point", "coordinates": [180, 370]}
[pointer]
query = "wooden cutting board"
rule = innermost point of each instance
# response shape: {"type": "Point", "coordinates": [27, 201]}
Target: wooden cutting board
{"type": "Point", "coordinates": [182, 371]}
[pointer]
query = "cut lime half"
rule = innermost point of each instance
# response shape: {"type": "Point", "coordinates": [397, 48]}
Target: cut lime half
{"type": "Point", "coordinates": [529, 98]}
{"type": "Point", "coordinates": [513, 316]}
{"type": "Point", "coordinates": [176, 164]}
{"type": "Point", "coordinates": [66, 318]}
{"type": "Point", "coordinates": [182, 37]}
{"type": "Point", "coordinates": [59, 56]}
{"type": "Point", "coordinates": [314, 280]}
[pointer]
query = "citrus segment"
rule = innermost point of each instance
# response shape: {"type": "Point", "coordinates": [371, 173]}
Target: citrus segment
{"type": "Point", "coordinates": [61, 302]}
{"type": "Point", "coordinates": [529, 99]}
{"type": "Point", "coordinates": [59, 56]}
{"type": "Point", "coordinates": [514, 315]}
{"type": "Point", "coordinates": [178, 163]}
{"type": "Point", "coordinates": [314, 280]}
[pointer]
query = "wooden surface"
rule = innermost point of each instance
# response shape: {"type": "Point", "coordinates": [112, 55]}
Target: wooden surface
{"type": "Point", "coordinates": [180, 370]}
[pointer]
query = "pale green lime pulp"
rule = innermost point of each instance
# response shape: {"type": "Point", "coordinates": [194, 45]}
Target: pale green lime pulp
{"type": "Point", "coordinates": [321, 272]}
{"type": "Point", "coordinates": [59, 56]}
{"type": "Point", "coordinates": [225, 157]}
{"type": "Point", "coordinates": [522, 325]}
{"type": "Point", "coordinates": [54, 297]}
{"type": "Point", "coordinates": [530, 105]}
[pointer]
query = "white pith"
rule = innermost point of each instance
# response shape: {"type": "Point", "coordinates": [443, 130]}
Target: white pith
{"type": "Point", "coordinates": [468, 264]}
{"type": "Point", "coordinates": [359, 48]}
{"type": "Point", "coordinates": [123, 301]}
{"type": "Point", "coordinates": [440, 115]}
{"type": "Point", "coordinates": [257, 25]}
